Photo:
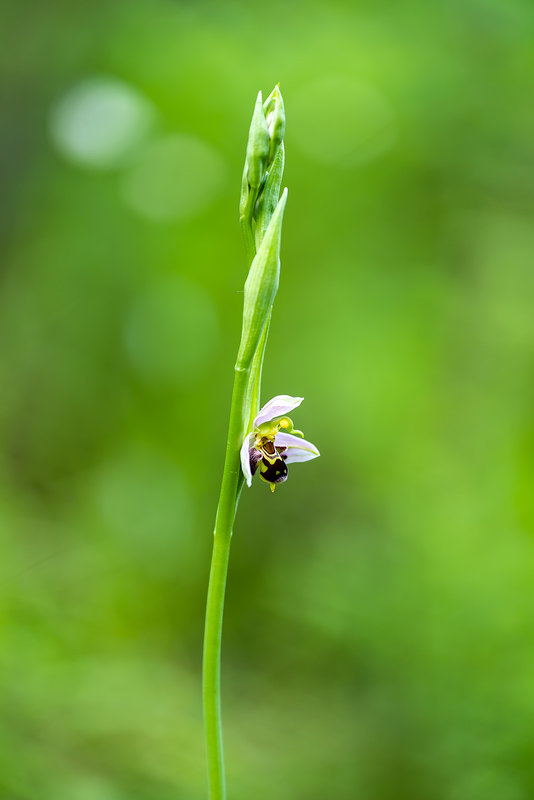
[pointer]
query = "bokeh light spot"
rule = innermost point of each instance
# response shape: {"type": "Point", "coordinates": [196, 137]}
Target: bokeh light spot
{"type": "Point", "coordinates": [175, 177]}
{"type": "Point", "coordinates": [171, 332]}
{"type": "Point", "coordinates": [100, 122]}
{"type": "Point", "coordinates": [339, 120]}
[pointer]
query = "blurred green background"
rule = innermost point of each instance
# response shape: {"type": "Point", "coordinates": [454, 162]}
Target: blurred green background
{"type": "Point", "coordinates": [379, 630]}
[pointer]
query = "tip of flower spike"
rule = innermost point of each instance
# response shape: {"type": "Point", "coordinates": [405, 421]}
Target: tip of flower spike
{"type": "Point", "coordinates": [275, 94]}
{"type": "Point", "coordinates": [273, 108]}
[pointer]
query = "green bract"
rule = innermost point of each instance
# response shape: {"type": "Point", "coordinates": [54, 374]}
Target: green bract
{"type": "Point", "coordinates": [261, 286]}
{"type": "Point", "coordinates": [270, 195]}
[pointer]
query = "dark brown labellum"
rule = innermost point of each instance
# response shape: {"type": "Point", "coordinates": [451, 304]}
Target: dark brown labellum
{"type": "Point", "coordinates": [273, 471]}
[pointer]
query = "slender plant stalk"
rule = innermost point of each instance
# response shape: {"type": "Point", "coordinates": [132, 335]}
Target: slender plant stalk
{"type": "Point", "coordinates": [261, 212]}
{"type": "Point", "coordinates": [216, 590]}
{"type": "Point", "coordinates": [245, 383]}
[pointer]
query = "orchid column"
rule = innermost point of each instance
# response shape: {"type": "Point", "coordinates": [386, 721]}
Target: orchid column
{"type": "Point", "coordinates": [266, 438]}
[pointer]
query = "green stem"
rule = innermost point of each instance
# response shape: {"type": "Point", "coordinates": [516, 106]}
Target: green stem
{"type": "Point", "coordinates": [226, 511]}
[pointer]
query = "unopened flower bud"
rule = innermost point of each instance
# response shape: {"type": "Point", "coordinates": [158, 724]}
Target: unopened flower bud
{"type": "Point", "coordinates": [275, 116]}
{"type": "Point", "coordinates": [258, 146]}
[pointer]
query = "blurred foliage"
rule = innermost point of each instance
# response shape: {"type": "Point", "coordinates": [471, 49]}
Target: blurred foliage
{"type": "Point", "coordinates": [379, 625]}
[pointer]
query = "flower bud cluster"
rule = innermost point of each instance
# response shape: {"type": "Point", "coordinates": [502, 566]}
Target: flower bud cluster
{"type": "Point", "coordinates": [261, 212]}
{"type": "Point", "coordinates": [264, 162]}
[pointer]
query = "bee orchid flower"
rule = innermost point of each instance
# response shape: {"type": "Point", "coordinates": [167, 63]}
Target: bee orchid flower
{"type": "Point", "coordinates": [274, 443]}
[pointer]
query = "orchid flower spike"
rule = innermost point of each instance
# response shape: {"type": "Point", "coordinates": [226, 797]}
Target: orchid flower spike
{"type": "Point", "coordinates": [274, 443]}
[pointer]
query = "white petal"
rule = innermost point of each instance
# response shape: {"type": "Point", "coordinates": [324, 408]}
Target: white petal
{"type": "Point", "coordinates": [297, 449]}
{"type": "Point", "coordinates": [277, 407]}
{"type": "Point", "coordinates": [245, 458]}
